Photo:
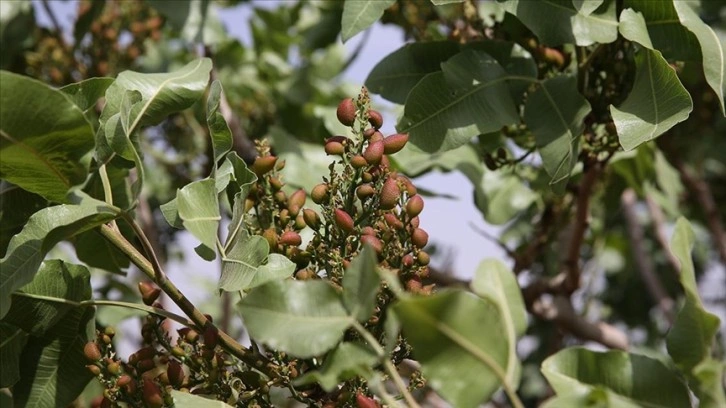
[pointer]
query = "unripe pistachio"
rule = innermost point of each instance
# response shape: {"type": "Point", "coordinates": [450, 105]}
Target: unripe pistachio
{"type": "Point", "coordinates": [343, 220]}
{"type": "Point", "coordinates": [374, 152]}
{"type": "Point", "coordinates": [211, 337]}
{"type": "Point", "coordinates": [419, 238]}
{"type": "Point", "coordinates": [346, 112]}
{"type": "Point", "coordinates": [368, 133]}
{"type": "Point", "coordinates": [280, 197]}
{"type": "Point", "coordinates": [123, 381]}
{"type": "Point", "coordinates": [91, 351]}
{"type": "Point", "coordinates": [376, 137]}
{"type": "Point", "coordinates": [407, 260]}
{"type": "Point", "coordinates": [554, 57]}
{"type": "Point", "coordinates": [114, 368]}
{"type": "Point", "coordinates": [299, 222]}
{"type": "Point", "coordinates": [414, 206]}
{"type": "Point", "coordinates": [284, 216]}
{"type": "Point", "coordinates": [368, 230]}
{"type": "Point", "coordinates": [319, 193]}
{"type": "Point", "coordinates": [192, 336]}
{"type": "Point", "coordinates": [311, 218]}
{"type": "Point", "coordinates": [304, 274]}
{"type": "Point", "coordinates": [178, 352]}
{"type": "Point", "coordinates": [392, 220]}
{"type": "Point", "coordinates": [263, 165]}
{"type": "Point", "coordinates": [365, 402]}
{"type": "Point", "coordinates": [415, 222]}
{"type": "Point", "coordinates": [374, 242]}
{"type": "Point", "coordinates": [366, 177]}
{"type": "Point", "coordinates": [94, 369]}
{"type": "Point", "coordinates": [408, 184]}
{"type": "Point", "coordinates": [249, 203]}
{"type": "Point", "coordinates": [109, 331]}
{"type": "Point", "coordinates": [364, 191]}
{"type": "Point", "coordinates": [280, 165]}
{"type": "Point", "coordinates": [152, 394]}
{"type": "Point", "coordinates": [271, 236]}
{"type": "Point", "coordinates": [290, 238]}
{"type": "Point", "coordinates": [375, 118]}
{"type": "Point", "coordinates": [275, 183]}
{"type": "Point", "coordinates": [175, 373]}
{"type": "Point", "coordinates": [358, 162]}
{"type": "Point", "coordinates": [390, 194]}
{"type": "Point", "coordinates": [106, 339]}
{"type": "Point", "coordinates": [145, 365]}
{"type": "Point", "coordinates": [296, 201]}
{"type": "Point", "coordinates": [333, 148]}
{"type": "Point", "coordinates": [394, 143]}
{"type": "Point", "coordinates": [414, 285]}
{"type": "Point", "coordinates": [423, 258]}
{"type": "Point", "coordinates": [149, 292]}
{"type": "Point", "coordinates": [385, 162]}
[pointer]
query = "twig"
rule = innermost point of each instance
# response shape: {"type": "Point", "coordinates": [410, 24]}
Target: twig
{"type": "Point", "coordinates": [387, 364]}
{"type": "Point", "coordinates": [702, 192]}
{"type": "Point", "coordinates": [579, 228]}
{"type": "Point", "coordinates": [493, 239]}
{"type": "Point", "coordinates": [52, 17]}
{"type": "Point", "coordinates": [200, 320]}
{"type": "Point", "coordinates": [561, 312]}
{"type": "Point", "coordinates": [159, 276]}
{"type": "Point", "coordinates": [656, 215]}
{"type": "Point", "coordinates": [642, 259]}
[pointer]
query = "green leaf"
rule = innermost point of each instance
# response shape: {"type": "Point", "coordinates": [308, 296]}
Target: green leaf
{"type": "Point", "coordinates": [706, 380]}
{"type": "Point", "coordinates": [494, 281]}
{"type": "Point", "coordinates": [469, 97]}
{"type": "Point", "coordinates": [557, 22]}
{"type": "Point", "coordinates": [12, 341]}
{"type": "Point", "coordinates": [360, 285]}
{"type": "Point", "coordinates": [44, 138]}
{"type": "Point", "coordinates": [44, 229]}
{"type": "Point", "coordinates": [199, 211]}
{"type": "Point", "coordinates": [396, 74]}
{"type": "Point", "coordinates": [630, 379]}
{"type": "Point", "coordinates": [689, 340]}
{"type": "Point", "coordinates": [241, 263]}
{"type": "Point", "coordinates": [303, 318]}
{"type": "Point", "coordinates": [360, 14]}
{"type": "Point", "coordinates": [667, 34]}
{"type": "Point", "coordinates": [345, 362]}
{"type": "Point", "coordinates": [443, 2]}
{"type": "Point", "coordinates": [161, 94]}
{"type": "Point", "coordinates": [657, 102]}
{"type": "Point", "coordinates": [240, 178]}
{"type": "Point", "coordinates": [17, 206]}
{"type": "Point", "coordinates": [218, 129]}
{"type": "Point", "coordinates": [53, 370]}
{"type": "Point", "coordinates": [57, 279]}
{"type": "Point", "coordinates": [86, 93]}
{"type": "Point", "coordinates": [555, 113]}
{"type": "Point", "coordinates": [187, 400]}
{"type": "Point", "coordinates": [17, 26]}
{"type": "Point", "coordinates": [500, 196]}
{"type": "Point", "coordinates": [712, 48]}
{"type": "Point", "coordinates": [456, 336]}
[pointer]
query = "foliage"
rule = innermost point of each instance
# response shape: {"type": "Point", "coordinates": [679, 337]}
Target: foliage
{"type": "Point", "coordinates": [577, 123]}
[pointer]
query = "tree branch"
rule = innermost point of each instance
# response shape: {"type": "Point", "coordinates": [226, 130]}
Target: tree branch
{"type": "Point", "coordinates": [701, 191]}
{"type": "Point", "coordinates": [642, 258]}
{"type": "Point", "coordinates": [579, 228]}
{"type": "Point", "coordinates": [228, 343]}
{"type": "Point", "coordinates": [561, 312]}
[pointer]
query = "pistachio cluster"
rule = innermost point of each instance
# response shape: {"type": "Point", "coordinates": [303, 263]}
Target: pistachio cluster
{"type": "Point", "coordinates": [362, 201]}
{"type": "Point", "coordinates": [193, 363]}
